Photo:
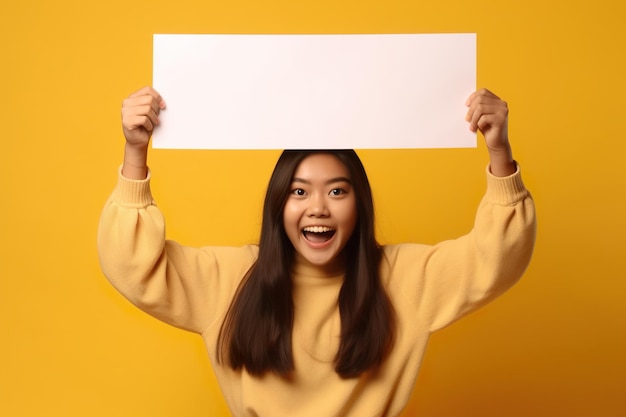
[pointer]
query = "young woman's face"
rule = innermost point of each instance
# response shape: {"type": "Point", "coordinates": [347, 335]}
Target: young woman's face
{"type": "Point", "coordinates": [320, 213]}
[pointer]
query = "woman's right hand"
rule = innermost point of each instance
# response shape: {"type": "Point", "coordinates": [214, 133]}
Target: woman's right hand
{"type": "Point", "coordinates": [140, 115]}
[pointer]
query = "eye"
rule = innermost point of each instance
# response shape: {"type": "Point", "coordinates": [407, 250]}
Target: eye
{"type": "Point", "coordinates": [298, 192]}
{"type": "Point", "coordinates": [337, 191]}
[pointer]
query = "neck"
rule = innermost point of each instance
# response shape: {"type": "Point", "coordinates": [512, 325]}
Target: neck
{"type": "Point", "coordinates": [331, 269]}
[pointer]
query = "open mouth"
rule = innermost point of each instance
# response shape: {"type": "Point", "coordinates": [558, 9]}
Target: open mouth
{"type": "Point", "coordinates": [318, 234]}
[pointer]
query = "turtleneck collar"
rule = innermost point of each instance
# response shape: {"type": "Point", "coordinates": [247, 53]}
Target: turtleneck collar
{"type": "Point", "coordinates": [303, 269]}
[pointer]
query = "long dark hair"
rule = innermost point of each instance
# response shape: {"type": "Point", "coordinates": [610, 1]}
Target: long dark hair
{"type": "Point", "coordinates": [257, 331]}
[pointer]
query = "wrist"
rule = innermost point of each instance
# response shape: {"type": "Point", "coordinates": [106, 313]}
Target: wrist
{"type": "Point", "coordinates": [502, 167]}
{"type": "Point", "coordinates": [135, 162]}
{"type": "Point", "coordinates": [501, 163]}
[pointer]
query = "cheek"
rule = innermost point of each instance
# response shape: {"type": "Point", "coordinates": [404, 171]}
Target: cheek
{"type": "Point", "coordinates": [291, 218]}
{"type": "Point", "coordinates": [349, 217]}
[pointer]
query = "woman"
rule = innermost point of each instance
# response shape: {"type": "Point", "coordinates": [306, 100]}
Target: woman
{"type": "Point", "coordinates": [318, 319]}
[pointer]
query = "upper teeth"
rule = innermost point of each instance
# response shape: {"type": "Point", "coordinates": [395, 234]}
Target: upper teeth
{"type": "Point", "coordinates": [317, 229]}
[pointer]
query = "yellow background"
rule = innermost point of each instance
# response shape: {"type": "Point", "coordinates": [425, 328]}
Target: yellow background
{"type": "Point", "coordinates": [71, 346]}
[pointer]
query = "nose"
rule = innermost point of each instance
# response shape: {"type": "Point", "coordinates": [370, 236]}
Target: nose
{"type": "Point", "coordinates": [318, 207]}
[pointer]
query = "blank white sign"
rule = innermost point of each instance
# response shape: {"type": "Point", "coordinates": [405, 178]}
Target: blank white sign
{"type": "Point", "coordinates": [314, 91]}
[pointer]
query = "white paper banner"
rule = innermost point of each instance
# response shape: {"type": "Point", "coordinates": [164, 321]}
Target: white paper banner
{"type": "Point", "coordinates": [314, 91]}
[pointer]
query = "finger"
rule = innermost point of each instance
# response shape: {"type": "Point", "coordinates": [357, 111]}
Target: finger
{"type": "Point", "coordinates": [485, 105]}
{"type": "Point", "coordinates": [483, 93]}
{"type": "Point", "coordinates": [135, 122]}
{"type": "Point", "coordinates": [473, 121]}
{"type": "Point", "coordinates": [142, 105]}
{"type": "Point", "coordinates": [488, 108]}
{"type": "Point", "coordinates": [142, 101]}
{"type": "Point", "coordinates": [486, 121]}
{"type": "Point", "coordinates": [471, 98]}
{"type": "Point", "coordinates": [473, 101]}
{"type": "Point", "coordinates": [146, 91]}
{"type": "Point", "coordinates": [150, 92]}
{"type": "Point", "coordinates": [490, 121]}
{"type": "Point", "coordinates": [474, 113]}
{"type": "Point", "coordinates": [485, 116]}
{"type": "Point", "coordinates": [132, 114]}
{"type": "Point", "coordinates": [485, 102]}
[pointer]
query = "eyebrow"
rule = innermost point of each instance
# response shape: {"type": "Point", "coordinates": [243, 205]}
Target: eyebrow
{"type": "Point", "coordinates": [330, 181]}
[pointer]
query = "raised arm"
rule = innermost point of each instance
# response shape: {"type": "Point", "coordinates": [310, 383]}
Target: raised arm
{"type": "Point", "coordinates": [468, 272]}
{"type": "Point", "coordinates": [455, 277]}
{"type": "Point", "coordinates": [185, 286]}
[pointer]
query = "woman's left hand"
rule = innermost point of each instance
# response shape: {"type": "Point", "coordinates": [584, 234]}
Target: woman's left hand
{"type": "Point", "coordinates": [489, 114]}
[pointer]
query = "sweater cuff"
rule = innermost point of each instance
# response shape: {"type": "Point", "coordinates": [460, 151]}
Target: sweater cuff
{"type": "Point", "coordinates": [132, 193]}
{"type": "Point", "coordinates": [506, 190]}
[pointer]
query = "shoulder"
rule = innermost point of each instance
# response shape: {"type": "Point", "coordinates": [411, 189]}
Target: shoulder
{"type": "Point", "coordinates": [403, 259]}
{"type": "Point", "coordinates": [398, 252]}
{"type": "Point", "coordinates": [237, 256]}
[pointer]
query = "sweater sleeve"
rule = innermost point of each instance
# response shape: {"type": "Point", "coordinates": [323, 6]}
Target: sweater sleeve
{"type": "Point", "coordinates": [183, 286]}
{"type": "Point", "coordinates": [467, 273]}
{"type": "Point", "coordinates": [456, 277]}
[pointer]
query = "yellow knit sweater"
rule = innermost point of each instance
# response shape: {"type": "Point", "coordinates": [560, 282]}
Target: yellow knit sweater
{"type": "Point", "coordinates": [429, 286]}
